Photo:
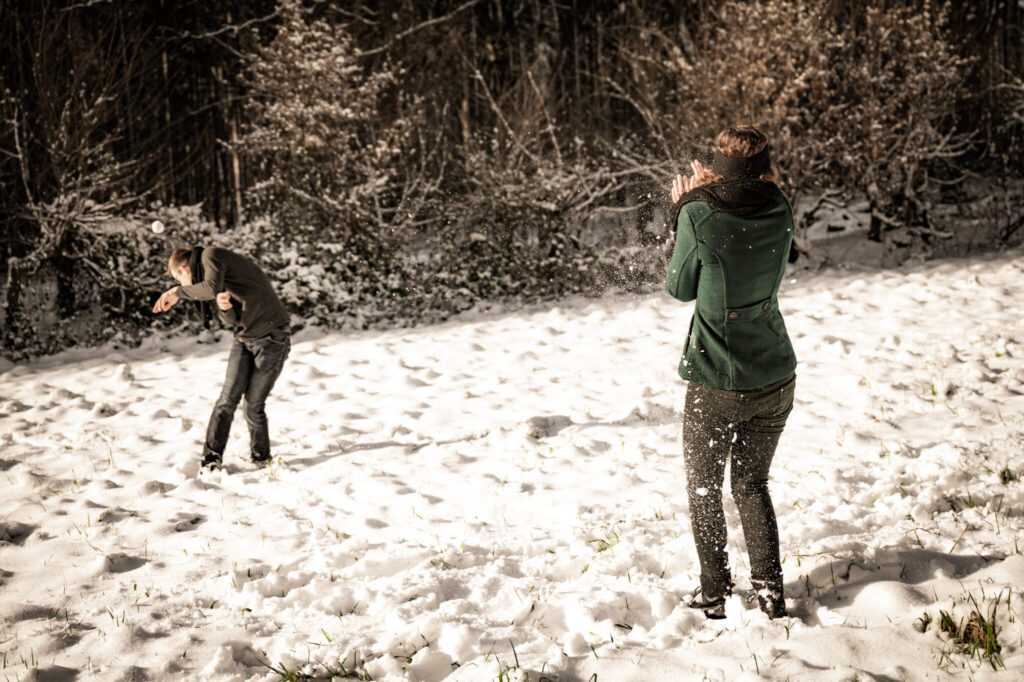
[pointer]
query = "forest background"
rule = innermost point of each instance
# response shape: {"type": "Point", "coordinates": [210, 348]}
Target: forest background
{"type": "Point", "coordinates": [400, 161]}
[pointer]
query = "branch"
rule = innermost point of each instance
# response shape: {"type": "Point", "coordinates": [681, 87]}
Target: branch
{"type": "Point", "coordinates": [544, 108]}
{"type": "Point", "coordinates": [621, 209]}
{"type": "Point", "coordinates": [368, 20]}
{"type": "Point", "coordinates": [929, 231]}
{"type": "Point", "coordinates": [425, 24]}
{"type": "Point", "coordinates": [84, 5]}
{"type": "Point", "coordinates": [234, 28]}
{"type": "Point", "coordinates": [596, 193]}
{"type": "Point", "coordinates": [649, 117]}
{"type": "Point", "coordinates": [1011, 228]}
{"type": "Point", "coordinates": [809, 214]}
{"type": "Point", "coordinates": [323, 202]}
{"type": "Point", "coordinates": [689, 47]}
{"type": "Point", "coordinates": [22, 161]}
{"type": "Point", "coordinates": [497, 110]}
{"type": "Point", "coordinates": [891, 222]}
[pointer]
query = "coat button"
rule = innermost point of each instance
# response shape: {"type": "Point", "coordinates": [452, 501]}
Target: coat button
{"type": "Point", "coordinates": [767, 305]}
{"type": "Point", "coordinates": [733, 315]}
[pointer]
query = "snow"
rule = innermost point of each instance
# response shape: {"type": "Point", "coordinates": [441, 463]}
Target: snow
{"type": "Point", "coordinates": [504, 495]}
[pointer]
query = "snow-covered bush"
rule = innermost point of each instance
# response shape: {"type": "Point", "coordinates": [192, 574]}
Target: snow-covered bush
{"type": "Point", "coordinates": [865, 109]}
{"type": "Point", "coordinates": [328, 138]}
{"type": "Point", "coordinates": [514, 234]}
{"type": "Point", "coordinates": [113, 267]}
{"type": "Point", "coordinates": [873, 112]}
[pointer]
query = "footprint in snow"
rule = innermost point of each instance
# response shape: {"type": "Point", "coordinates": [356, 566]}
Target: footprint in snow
{"type": "Point", "coordinates": [60, 396]}
{"type": "Point", "coordinates": [186, 522]}
{"type": "Point", "coordinates": [545, 426]}
{"type": "Point", "coordinates": [114, 514]}
{"type": "Point", "coordinates": [106, 409]}
{"type": "Point", "coordinates": [118, 563]}
{"type": "Point", "coordinates": [14, 532]}
{"type": "Point", "coordinates": [309, 373]}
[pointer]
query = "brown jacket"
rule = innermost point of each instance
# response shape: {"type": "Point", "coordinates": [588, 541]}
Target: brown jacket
{"type": "Point", "coordinates": [256, 309]}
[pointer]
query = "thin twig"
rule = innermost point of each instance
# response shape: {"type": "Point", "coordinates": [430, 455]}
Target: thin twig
{"type": "Point", "coordinates": [425, 24]}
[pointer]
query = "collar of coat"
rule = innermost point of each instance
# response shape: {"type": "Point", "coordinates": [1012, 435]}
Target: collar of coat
{"type": "Point", "coordinates": [743, 198]}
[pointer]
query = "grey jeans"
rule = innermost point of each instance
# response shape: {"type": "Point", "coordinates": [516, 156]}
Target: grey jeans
{"type": "Point", "coordinates": [253, 367]}
{"type": "Point", "coordinates": [744, 427]}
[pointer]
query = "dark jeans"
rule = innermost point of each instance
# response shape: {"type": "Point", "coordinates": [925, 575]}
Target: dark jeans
{"type": "Point", "coordinates": [253, 367]}
{"type": "Point", "coordinates": [743, 426]}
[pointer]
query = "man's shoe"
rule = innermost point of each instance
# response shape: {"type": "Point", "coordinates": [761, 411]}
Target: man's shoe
{"type": "Point", "coordinates": [211, 463]}
{"type": "Point", "coordinates": [261, 462]}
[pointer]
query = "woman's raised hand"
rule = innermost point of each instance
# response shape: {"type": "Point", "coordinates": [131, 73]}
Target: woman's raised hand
{"type": "Point", "coordinates": [679, 187]}
{"type": "Point", "coordinates": [683, 184]}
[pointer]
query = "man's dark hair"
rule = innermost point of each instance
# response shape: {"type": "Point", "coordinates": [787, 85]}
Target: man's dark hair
{"type": "Point", "coordinates": [178, 260]}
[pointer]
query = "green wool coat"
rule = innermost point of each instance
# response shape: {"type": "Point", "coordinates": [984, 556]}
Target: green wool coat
{"type": "Point", "coordinates": [733, 267]}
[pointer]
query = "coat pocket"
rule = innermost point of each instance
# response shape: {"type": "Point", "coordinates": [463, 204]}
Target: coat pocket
{"type": "Point", "coordinates": [758, 343]}
{"type": "Point", "coordinates": [750, 322]}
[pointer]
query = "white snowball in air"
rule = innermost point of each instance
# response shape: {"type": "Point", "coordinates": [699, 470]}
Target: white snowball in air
{"type": "Point", "coordinates": [158, 226]}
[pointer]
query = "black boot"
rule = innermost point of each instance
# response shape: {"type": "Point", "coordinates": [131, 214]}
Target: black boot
{"type": "Point", "coordinates": [713, 607]}
{"type": "Point", "coordinates": [769, 598]}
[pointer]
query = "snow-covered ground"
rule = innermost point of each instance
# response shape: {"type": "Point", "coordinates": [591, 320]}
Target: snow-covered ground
{"type": "Point", "coordinates": [503, 495]}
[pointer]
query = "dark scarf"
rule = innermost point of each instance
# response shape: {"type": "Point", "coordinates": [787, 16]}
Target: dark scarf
{"type": "Point", "coordinates": [740, 192]}
{"type": "Point", "coordinates": [195, 266]}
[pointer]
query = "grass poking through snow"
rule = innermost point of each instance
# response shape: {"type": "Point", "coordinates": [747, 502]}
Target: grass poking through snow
{"type": "Point", "coordinates": [977, 637]}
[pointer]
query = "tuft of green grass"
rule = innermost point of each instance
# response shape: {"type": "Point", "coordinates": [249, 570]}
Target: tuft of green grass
{"type": "Point", "coordinates": [513, 673]}
{"type": "Point", "coordinates": [606, 543]}
{"type": "Point", "coordinates": [1008, 476]}
{"type": "Point", "coordinates": [977, 637]}
{"type": "Point", "coordinates": [326, 674]}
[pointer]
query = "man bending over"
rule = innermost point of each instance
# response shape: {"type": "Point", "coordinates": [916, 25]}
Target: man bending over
{"type": "Point", "coordinates": [246, 301]}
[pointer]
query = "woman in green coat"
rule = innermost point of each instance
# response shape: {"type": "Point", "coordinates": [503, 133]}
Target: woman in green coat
{"type": "Point", "coordinates": [734, 230]}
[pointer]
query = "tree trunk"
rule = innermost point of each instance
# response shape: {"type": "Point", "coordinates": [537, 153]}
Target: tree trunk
{"type": "Point", "coordinates": [236, 172]}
